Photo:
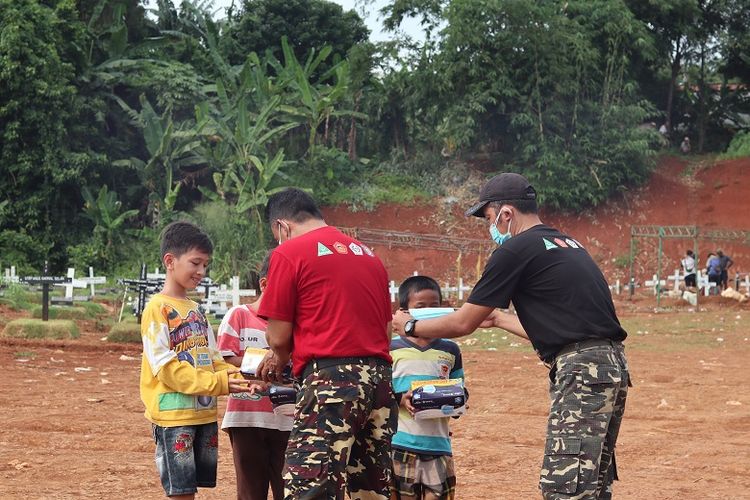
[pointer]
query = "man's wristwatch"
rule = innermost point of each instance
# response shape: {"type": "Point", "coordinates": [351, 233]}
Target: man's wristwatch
{"type": "Point", "coordinates": [409, 328]}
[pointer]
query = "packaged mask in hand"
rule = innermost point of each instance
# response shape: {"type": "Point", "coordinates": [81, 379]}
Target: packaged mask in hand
{"type": "Point", "coordinates": [250, 361]}
{"type": "Point", "coordinates": [430, 312]}
{"type": "Point", "coordinates": [438, 398]}
{"type": "Point", "coordinates": [283, 399]}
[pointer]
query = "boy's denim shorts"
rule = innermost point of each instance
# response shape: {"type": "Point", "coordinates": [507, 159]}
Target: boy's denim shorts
{"type": "Point", "coordinates": [186, 457]}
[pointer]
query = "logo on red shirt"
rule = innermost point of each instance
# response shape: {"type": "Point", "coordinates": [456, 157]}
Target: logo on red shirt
{"type": "Point", "coordinates": [340, 248]}
{"type": "Point", "coordinates": [368, 251]}
{"type": "Point", "coordinates": [356, 249]}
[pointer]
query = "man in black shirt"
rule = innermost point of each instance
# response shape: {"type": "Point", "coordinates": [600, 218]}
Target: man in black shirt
{"type": "Point", "coordinates": [565, 309]}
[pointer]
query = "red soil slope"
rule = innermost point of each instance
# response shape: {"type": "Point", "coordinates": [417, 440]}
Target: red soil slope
{"type": "Point", "coordinates": [680, 192]}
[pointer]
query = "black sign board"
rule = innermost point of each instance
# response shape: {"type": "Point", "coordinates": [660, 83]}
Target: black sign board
{"type": "Point", "coordinates": [46, 282]}
{"type": "Point", "coordinates": [144, 287]}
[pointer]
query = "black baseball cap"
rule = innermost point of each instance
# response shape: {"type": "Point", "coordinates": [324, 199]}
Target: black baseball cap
{"type": "Point", "coordinates": [503, 187]}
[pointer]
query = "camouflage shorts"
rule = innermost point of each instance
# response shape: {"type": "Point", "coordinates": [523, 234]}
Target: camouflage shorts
{"type": "Point", "coordinates": [588, 401]}
{"type": "Point", "coordinates": [341, 438]}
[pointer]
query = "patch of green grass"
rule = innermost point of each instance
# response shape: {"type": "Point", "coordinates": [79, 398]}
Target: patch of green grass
{"type": "Point", "coordinates": [93, 308]}
{"type": "Point", "coordinates": [38, 329]}
{"type": "Point", "coordinates": [18, 298]}
{"type": "Point", "coordinates": [125, 332]}
{"type": "Point", "coordinates": [24, 354]}
{"type": "Point", "coordinates": [62, 312]}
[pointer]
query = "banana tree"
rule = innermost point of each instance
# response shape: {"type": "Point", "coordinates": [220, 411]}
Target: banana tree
{"type": "Point", "coordinates": [172, 148]}
{"type": "Point", "coordinates": [316, 103]}
{"type": "Point", "coordinates": [104, 210]}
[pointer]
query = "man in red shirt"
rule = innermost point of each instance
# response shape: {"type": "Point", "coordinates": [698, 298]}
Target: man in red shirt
{"type": "Point", "coordinates": [328, 307]}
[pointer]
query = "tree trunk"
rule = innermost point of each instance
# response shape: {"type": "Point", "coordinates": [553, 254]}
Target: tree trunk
{"type": "Point", "coordinates": [676, 64]}
{"type": "Point", "coordinates": [702, 101]}
{"type": "Point", "coordinates": [353, 130]}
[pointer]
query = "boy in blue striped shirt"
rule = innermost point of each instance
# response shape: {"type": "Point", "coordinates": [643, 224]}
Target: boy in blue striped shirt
{"type": "Point", "coordinates": [422, 455]}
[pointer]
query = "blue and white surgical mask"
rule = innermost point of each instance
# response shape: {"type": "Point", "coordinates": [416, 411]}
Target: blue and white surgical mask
{"type": "Point", "coordinates": [495, 233]}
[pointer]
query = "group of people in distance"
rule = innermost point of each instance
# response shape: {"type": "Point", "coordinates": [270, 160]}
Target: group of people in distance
{"type": "Point", "coordinates": [325, 308]}
{"type": "Point", "coordinates": [717, 269]}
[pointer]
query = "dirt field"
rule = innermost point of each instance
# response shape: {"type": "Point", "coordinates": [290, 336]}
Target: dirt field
{"type": "Point", "coordinates": [73, 424]}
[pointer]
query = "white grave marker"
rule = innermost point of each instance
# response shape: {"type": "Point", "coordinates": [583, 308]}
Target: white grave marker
{"type": "Point", "coordinates": [94, 280]}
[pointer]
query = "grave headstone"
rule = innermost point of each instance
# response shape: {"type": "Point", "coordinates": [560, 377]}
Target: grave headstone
{"type": "Point", "coordinates": [92, 280]}
{"type": "Point", "coordinates": [69, 285]}
{"type": "Point", "coordinates": [144, 287]}
{"type": "Point", "coordinates": [46, 282]}
{"type": "Point", "coordinates": [656, 284]}
{"type": "Point", "coordinates": [10, 275]}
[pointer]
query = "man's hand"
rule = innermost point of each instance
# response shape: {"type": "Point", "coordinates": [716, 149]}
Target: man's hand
{"type": "Point", "coordinates": [271, 368]}
{"type": "Point", "coordinates": [399, 320]}
{"type": "Point", "coordinates": [506, 321]}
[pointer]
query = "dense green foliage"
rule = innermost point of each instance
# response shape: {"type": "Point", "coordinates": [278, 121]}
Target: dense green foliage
{"type": "Point", "coordinates": [117, 117]}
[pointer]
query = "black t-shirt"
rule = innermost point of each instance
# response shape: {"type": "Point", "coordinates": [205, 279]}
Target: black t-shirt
{"type": "Point", "coordinates": [558, 291]}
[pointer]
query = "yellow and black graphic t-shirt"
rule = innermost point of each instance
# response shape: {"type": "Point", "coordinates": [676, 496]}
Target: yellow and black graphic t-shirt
{"type": "Point", "coordinates": [182, 370]}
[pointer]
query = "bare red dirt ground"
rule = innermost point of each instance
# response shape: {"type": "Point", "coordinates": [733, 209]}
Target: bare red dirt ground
{"type": "Point", "coordinates": [73, 424]}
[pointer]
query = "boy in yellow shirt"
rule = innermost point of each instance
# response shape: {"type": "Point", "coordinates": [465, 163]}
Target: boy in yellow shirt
{"type": "Point", "coordinates": [182, 370]}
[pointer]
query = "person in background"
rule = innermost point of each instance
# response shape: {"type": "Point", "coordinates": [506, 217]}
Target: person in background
{"type": "Point", "coordinates": [685, 146]}
{"type": "Point", "coordinates": [688, 267]}
{"type": "Point", "coordinates": [713, 270]}
{"type": "Point", "coordinates": [725, 262]}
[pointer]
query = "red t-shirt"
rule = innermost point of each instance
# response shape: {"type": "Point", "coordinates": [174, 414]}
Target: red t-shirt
{"type": "Point", "coordinates": [335, 291]}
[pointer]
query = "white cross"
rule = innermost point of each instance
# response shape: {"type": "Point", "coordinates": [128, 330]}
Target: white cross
{"type": "Point", "coordinates": [393, 289]}
{"type": "Point", "coordinates": [702, 281]}
{"type": "Point", "coordinates": [156, 275]}
{"type": "Point", "coordinates": [10, 275]}
{"type": "Point", "coordinates": [657, 285]}
{"type": "Point", "coordinates": [745, 284]}
{"type": "Point", "coordinates": [94, 280]}
{"type": "Point", "coordinates": [71, 283]}
{"type": "Point", "coordinates": [616, 288]}
{"type": "Point", "coordinates": [677, 278]}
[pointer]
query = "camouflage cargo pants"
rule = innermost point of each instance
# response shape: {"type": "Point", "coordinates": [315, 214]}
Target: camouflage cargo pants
{"type": "Point", "coordinates": [341, 438]}
{"type": "Point", "coordinates": [588, 401]}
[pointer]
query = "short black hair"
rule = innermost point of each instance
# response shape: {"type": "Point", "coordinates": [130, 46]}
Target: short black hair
{"type": "Point", "coordinates": [415, 284]}
{"type": "Point", "coordinates": [292, 204]}
{"type": "Point", "coordinates": [690, 253]}
{"type": "Point", "coordinates": [182, 236]}
{"type": "Point", "coordinates": [263, 271]}
{"type": "Point", "coordinates": [523, 206]}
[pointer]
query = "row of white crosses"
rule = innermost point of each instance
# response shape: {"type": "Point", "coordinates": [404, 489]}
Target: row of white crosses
{"type": "Point", "coordinates": [87, 282]}
{"type": "Point", "coordinates": [224, 295]}
{"type": "Point", "coordinates": [10, 275]}
{"type": "Point", "coordinates": [446, 289]}
{"type": "Point", "coordinates": [218, 297]}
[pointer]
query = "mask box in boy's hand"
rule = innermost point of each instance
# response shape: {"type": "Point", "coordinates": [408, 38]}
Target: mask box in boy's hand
{"type": "Point", "coordinates": [438, 398]}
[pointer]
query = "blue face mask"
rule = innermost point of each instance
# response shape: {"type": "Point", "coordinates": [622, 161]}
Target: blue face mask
{"type": "Point", "coordinates": [496, 235]}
